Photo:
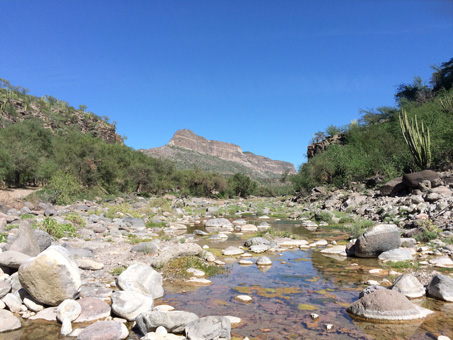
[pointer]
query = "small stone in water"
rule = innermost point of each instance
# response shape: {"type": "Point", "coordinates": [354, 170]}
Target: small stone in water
{"type": "Point", "coordinates": [314, 316]}
{"type": "Point", "coordinates": [244, 298]}
{"type": "Point", "coordinates": [328, 326]}
{"type": "Point", "coordinates": [443, 337]}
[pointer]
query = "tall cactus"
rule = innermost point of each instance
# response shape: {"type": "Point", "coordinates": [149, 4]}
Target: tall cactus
{"type": "Point", "coordinates": [418, 140]}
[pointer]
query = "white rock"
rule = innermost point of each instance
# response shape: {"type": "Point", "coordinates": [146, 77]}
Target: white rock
{"type": "Point", "coordinates": [244, 298]}
{"type": "Point", "coordinates": [66, 327]}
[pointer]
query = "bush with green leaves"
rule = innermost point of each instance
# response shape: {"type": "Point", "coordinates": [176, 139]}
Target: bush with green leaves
{"type": "Point", "coordinates": [57, 230]}
{"type": "Point", "coordinates": [65, 188]}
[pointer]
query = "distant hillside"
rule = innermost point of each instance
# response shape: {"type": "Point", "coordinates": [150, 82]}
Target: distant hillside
{"type": "Point", "coordinates": [189, 150]}
{"type": "Point", "coordinates": [57, 115]}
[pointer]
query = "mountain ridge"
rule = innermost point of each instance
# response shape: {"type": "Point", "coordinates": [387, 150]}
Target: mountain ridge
{"type": "Point", "coordinates": [213, 155]}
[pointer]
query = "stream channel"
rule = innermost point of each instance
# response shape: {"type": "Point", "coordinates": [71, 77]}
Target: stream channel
{"type": "Point", "coordinates": [298, 283]}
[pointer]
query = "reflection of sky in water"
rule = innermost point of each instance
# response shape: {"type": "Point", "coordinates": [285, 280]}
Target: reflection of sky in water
{"type": "Point", "coordinates": [297, 284]}
{"type": "Point", "coordinates": [285, 294]}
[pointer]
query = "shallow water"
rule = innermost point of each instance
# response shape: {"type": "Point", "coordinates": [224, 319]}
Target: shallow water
{"type": "Point", "coordinates": [298, 283]}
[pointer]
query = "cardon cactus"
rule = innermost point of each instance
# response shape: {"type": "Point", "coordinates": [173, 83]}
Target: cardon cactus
{"type": "Point", "coordinates": [418, 140]}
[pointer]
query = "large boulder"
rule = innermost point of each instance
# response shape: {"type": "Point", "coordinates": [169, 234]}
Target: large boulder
{"type": "Point", "coordinates": [129, 305]}
{"type": "Point", "coordinates": [216, 224]}
{"type": "Point", "coordinates": [174, 321]}
{"type": "Point", "coordinates": [256, 241]}
{"type": "Point", "coordinates": [13, 259]}
{"type": "Point", "coordinates": [143, 279]}
{"type": "Point", "coordinates": [377, 239]}
{"type": "Point", "coordinates": [416, 180]}
{"type": "Point", "coordinates": [51, 277]}
{"type": "Point", "coordinates": [387, 305]}
{"type": "Point", "coordinates": [93, 309]}
{"type": "Point", "coordinates": [441, 287]}
{"type": "Point", "coordinates": [209, 327]}
{"type": "Point", "coordinates": [393, 187]}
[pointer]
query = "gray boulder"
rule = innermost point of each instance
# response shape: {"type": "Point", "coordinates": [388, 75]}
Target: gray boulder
{"type": "Point", "coordinates": [392, 187]}
{"type": "Point", "coordinates": [377, 239]}
{"type": "Point", "coordinates": [221, 223]}
{"type": "Point", "coordinates": [26, 241]}
{"type": "Point", "coordinates": [129, 305]}
{"type": "Point", "coordinates": [51, 277]}
{"type": "Point", "coordinates": [105, 330]}
{"type": "Point", "coordinates": [441, 287]}
{"type": "Point", "coordinates": [369, 290]}
{"type": "Point", "coordinates": [408, 285]}
{"type": "Point", "coordinates": [209, 328]}
{"type": "Point", "coordinates": [44, 239]}
{"type": "Point", "coordinates": [174, 321]}
{"type": "Point", "coordinates": [387, 305]}
{"type": "Point", "coordinates": [415, 180]}
{"type": "Point", "coordinates": [256, 241]}
{"type": "Point", "coordinates": [12, 259]}
{"type": "Point", "coordinates": [143, 279]}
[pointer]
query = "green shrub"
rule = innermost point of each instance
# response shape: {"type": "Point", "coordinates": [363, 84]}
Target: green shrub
{"type": "Point", "coordinates": [75, 218]}
{"type": "Point", "coordinates": [26, 216]}
{"type": "Point", "coordinates": [65, 187]}
{"type": "Point", "coordinates": [57, 230]}
{"type": "Point", "coordinates": [358, 228]}
{"type": "Point", "coordinates": [3, 237]}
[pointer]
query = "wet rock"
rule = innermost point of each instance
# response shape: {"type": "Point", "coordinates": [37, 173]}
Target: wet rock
{"type": "Point", "coordinates": [441, 287]}
{"type": "Point", "coordinates": [68, 309]}
{"type": "Point", "coordinates": [209, 327]}
{"type": "Point", "coordinates": [387, 305]}
{"type": "Point", "coordinates": [92, 309]}
{"type": "Point", "coordinates": [51, 277]}
{"type": "Point", "coordinates": [129, 305]}
{"type": "Point", "coordinates": [142, 279]}
{"type": "Point", "coordinates": [105, 330]}
{"type": "Point", "coordinates": [263, 261]}
{"type": "Point", "coordinates": [8, 321]}
{"type": "Point", "coordinates": [244, 298]}
{"type": "Point", "coordinates": [174, 321]}
{"type": "Point", "coordinates": [400, 254]}
{"type": "Point", "coordinates": [377, 239]}
{"type": "Point", "coordinates": [408, 285]}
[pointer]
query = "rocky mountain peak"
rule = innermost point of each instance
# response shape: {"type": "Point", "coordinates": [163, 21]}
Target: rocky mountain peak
{"type": "Point", "coordinates": [198, 151]}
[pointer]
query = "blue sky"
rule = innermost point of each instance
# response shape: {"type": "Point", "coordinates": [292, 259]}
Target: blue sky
{"type": "Point", "coordinates": [265, 75]}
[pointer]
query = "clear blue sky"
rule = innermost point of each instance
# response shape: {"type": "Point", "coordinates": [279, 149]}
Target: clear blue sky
{"type": "Point", "coordinates": [265, 75]}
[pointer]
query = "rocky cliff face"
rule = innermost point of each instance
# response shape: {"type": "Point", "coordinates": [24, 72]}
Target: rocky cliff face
{"type": "Point", "coordinates": [55, 116]}
{"type": "Point", "coordinates": [316, 148]}
{"type": "Point", "coordinates": [259, 166]}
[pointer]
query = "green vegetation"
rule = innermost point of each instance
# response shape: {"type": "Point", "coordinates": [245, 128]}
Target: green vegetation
{"type": "Point", "coordinates": [272, 233]}
{"type": "Point", "coordinates": [356, 229]}
{"type": "Point", "coordinates": [118, 270]}
{"type": "Point", "coordinates": [428, 231]}
{"type": "Point", "coordinates": [178, 267]}
{"type": "Point", "coordinates": [374, 146]}
{"type": "Point", "coordinates": [417, 139]}
{"type": "Point", "coordinates": [57, 230]}
{"type": "Point", "coordinates": [400, 265]}
{"type": "Point", "coordinates": [26, 216]}
{"type": "Point", "coordinates": [3, 237]}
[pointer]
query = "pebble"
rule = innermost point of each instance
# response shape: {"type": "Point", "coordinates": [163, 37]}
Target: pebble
{"type": "Point", "coordinates": [314, 316]}
{"type": "Point", "coordinates": [245, 262]}
{"type": "Point", "coordinates": [244, 298]}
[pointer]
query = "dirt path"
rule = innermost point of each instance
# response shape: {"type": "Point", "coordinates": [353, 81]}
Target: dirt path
{"type": "Point", "coordinates": [11, 197]}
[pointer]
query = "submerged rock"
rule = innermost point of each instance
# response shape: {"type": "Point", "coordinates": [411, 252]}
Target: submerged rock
{"type": "Point", "coordinates": [105, 330]}
{"type": "Point", "coordinates": [387, 305]}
